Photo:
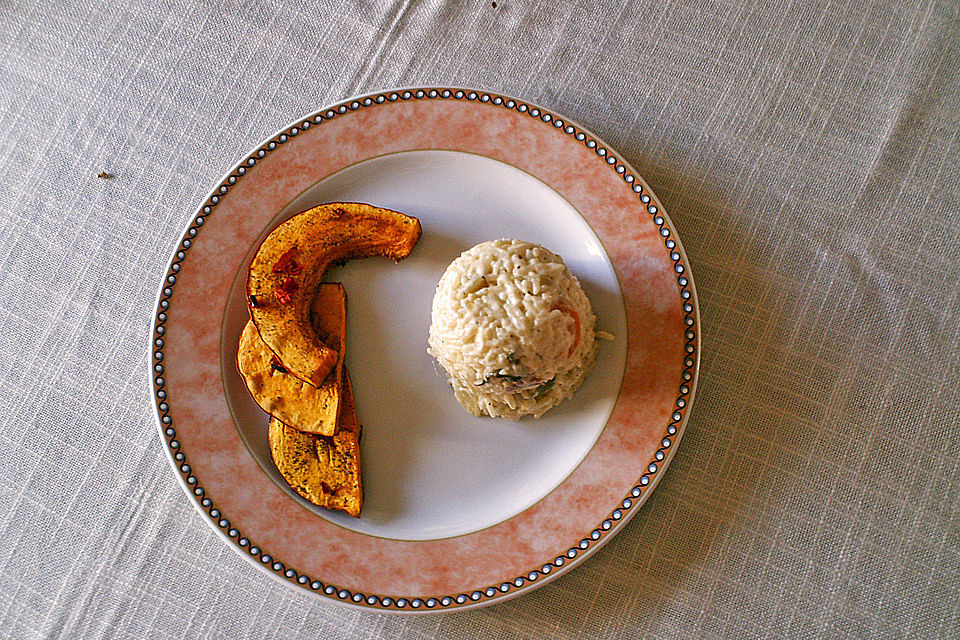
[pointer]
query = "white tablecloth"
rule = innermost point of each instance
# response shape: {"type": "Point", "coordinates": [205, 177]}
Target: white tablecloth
{"type": "Point", "coordinates": [807, 153]}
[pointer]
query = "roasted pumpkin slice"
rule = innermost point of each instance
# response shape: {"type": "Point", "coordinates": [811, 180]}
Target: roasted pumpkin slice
{"type": "Point", "coordinates": [286, 397]}
{"type": "Point", "coordinates": [290, 262]}
{"type": "Point", "coordinates": [323, 469]}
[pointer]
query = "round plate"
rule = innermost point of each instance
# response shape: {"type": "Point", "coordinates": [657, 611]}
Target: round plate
{"type": "Point", "coordinates": [430, 468]}
{"type": "Point", "coordinates": [459, 511]}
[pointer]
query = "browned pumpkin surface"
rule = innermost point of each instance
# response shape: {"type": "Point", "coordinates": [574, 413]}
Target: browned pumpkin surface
{"type": "Point", "coordinates": [323, 469]}
{"type": "Point", "coordinates": [286, 397]}
{"type": "Point", "coordinates": [291, 261]}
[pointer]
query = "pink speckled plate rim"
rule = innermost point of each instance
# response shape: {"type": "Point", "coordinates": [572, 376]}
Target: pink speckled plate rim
{"type": "Point", "coordinates": [540, 572]}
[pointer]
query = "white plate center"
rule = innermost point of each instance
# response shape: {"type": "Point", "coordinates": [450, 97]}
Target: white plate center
{"type": "Point", "coordinates": [430, 469]}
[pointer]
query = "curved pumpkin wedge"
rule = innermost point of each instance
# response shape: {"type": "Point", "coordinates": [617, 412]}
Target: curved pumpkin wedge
{"type": "Point", "coordinates": [286, 397]}
{"type": "Point", "coordinates": [323, 469]}
{"type": "Point", "coordinates": [291, 262]}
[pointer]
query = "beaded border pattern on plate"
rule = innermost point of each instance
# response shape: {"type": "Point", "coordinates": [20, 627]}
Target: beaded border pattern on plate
{"type": "Point", "coordinates": [491, 591]}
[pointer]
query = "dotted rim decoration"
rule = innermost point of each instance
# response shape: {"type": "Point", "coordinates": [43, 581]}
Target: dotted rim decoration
{"type": "Point", "coordinates": [615, 519]}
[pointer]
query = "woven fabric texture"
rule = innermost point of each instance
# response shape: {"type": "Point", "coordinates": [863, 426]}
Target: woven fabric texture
{"type": "Point", "coordinates": [807, 153]}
